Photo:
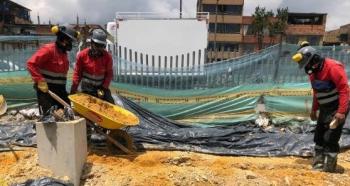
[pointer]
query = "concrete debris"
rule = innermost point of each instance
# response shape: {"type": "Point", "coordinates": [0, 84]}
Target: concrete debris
{"type": "Point", "coordinates": [262, 120]}
{"type": "Point", "coordinates": [178, 161]}
{"type": "Point", "coordinates": [31, 113]}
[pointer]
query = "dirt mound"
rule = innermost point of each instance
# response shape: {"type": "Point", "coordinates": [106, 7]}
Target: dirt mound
{"type": "Point", "coordinates": [181, 168]}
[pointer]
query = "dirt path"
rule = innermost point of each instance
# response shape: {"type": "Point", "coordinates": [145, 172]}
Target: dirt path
{"type": "Point", "coordinates": [181, 168]}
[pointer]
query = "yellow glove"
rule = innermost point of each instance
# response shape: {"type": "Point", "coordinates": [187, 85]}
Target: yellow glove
{"type": "Point", "coordinates": [100, 93]}
{"type": "Point", "coordinates": [42, 86]}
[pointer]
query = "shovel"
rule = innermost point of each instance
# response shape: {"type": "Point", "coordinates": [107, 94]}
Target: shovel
{"type": "Point", "coordinates": [70, 112]}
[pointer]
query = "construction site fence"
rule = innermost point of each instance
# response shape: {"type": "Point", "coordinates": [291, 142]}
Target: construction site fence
{"type": "Point", "coordinates": [186, 71]}
{"type": "Point", "coordinates": [193, 91]}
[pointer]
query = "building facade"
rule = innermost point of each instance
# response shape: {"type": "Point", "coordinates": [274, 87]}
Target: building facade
{"type": "Point", "coordinates": [225, 26]}
{"type": "Point", "coordinates": [14, 18]}
{"type": "Point", "coordinates": [231, 32]}
{"type": "Point", "coordinates": [309, 27]}
{"type": "Point", "coordinates": [340, 36]}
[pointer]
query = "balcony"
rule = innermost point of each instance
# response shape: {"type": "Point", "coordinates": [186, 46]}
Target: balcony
{"type": "Point", "coordinates": [224, 2]}
{"type": "Point", "coordinates": [225, 19]}
{"type": "Point", "coordinates": [251, 39]}
{"type": "Point", "coordinates": [223, 55]}
{"type": "Point", "coordinates": [225, 37]}
{"type": "Point", "coordinates": [306, 30]}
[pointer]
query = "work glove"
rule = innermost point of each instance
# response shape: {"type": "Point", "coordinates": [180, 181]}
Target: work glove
{"type": "Point", "coordinates": [313, 116]}
{"type": "Point", "coordinates": [42, 86]}
{"type": "Point", "coordinates": [340, 117]}
{"type": "Point", "coordinates": [100, 93]}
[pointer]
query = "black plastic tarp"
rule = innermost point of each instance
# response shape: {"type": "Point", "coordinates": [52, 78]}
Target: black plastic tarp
{"type": "Point", "coordinates": [20, 134]}
{"type": "Point", "coordinates": [44, 182]}
{"type": "Point", "coordinates": [156, 132]}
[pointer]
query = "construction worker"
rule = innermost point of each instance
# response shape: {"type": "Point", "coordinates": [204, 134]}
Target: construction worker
{"type": "Point", "coordinates": [331, 98]}
{"type": "Point", "coordinates": [49, 66]}
{"type": "Point", "coordinates": [93, 68]}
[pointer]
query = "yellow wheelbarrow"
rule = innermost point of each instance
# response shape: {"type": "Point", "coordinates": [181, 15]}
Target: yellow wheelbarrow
{"type": "Point", "coordinates": [107, 116]}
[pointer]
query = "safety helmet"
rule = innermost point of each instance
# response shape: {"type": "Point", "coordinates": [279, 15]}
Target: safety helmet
{"type": "Point", "coordinates": [66, 30]}
{"type": "Point", "coordinates": [304, 44]}
{"type": "Point", "coordinates": [99, 36]}
{"type": "Point", "coordinates": [304, 56]}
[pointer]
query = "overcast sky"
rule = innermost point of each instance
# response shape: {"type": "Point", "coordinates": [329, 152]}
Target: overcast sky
{"type": "Point", "coordinates": [102, 11]}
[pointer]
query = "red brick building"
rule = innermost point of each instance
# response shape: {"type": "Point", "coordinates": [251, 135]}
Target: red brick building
{"type": "Point", "coordinates": [301, 27]}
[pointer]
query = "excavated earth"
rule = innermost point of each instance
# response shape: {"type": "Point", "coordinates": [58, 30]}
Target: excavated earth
{"type": "Point", "coordinates": [179, 168]}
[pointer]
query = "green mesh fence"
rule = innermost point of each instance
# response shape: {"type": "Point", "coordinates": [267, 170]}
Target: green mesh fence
{"type": "Point", "coordinates": [219, 93]}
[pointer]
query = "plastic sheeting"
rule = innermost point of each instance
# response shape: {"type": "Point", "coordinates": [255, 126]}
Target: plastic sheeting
{"type": "Point", "coordinates": [43, 182]}
{"type": "Point", "coordinates": [246, 138]}
{"type": "Point", "coordinates": [17, 134]}
{"type": "Point", "coordinates": [155, 132]}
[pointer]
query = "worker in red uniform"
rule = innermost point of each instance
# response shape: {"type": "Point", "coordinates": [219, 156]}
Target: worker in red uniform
{"type": "Point", "coordinates": [94, 68]}
{"type": "Point", "coordinates": [49, 66]}
{"type": "Point", "coordinates": [331, 98]}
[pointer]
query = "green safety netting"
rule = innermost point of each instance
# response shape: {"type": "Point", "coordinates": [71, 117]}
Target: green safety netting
{"type": "Point", "coordinates": [219, 93]}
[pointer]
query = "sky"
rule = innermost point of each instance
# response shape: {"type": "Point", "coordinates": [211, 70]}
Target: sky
{"type": "Point", "coordinates": [103, 11]}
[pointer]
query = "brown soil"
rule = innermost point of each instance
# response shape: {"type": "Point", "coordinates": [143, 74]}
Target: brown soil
{"type": "Point", "coordinates": [182, 168]}
{"type": "Point", "coordinates": [103, 107]}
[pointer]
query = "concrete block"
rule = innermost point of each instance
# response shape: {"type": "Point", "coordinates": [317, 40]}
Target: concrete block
{"type": "Point", "coordinates": [62, 148]}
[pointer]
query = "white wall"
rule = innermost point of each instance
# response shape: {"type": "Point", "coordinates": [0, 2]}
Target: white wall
{"type": "Point", "coordinates": [163, 37]}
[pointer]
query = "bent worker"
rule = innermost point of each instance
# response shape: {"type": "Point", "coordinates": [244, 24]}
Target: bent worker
{"type": "Point", "coordinates": [49, 66]}
{"type": "Point", "coordinates": [93, 68]}
{"type": "Point", "coordinates": [331, 97]}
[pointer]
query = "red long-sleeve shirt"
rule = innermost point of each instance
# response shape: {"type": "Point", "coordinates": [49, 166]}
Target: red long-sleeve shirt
{"type": "Point", "coordinates": [49, 61]}
{"type": "Point", "coordinates": [94, 66]}
{"type": "Point", "coordinates": [333, 71]}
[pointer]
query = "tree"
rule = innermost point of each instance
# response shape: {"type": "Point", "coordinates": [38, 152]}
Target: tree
{"type": "Point", "coordinates": [278, 25]}
{"type": "Point", "coordinates": [261, 22]}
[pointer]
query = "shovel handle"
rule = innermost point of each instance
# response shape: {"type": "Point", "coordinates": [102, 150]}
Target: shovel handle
{"type": "Point", "coordinates": [57, 98]}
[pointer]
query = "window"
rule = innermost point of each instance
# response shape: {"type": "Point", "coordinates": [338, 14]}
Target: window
{"type": "Point", "coordinates": [223, 9]}
{"type": "Point", "coordinates": [225, 28]}
{"type": "Point", "coordinates": [231, 9]}
{"type": "Point", "coordinates": [209, 8]}
{"type": "Point", "coordinates": [292, 39]}
{"type": "Point", "coordinates": [343, 37]}
{"type": "Point", "coordinates": [314, 40]}
{"type": "Point", "coordinates": [225, 46]}
{"type": "Point", "coordinates": [305, 19]}
{"type": "Point", "coordinates": [248, 48]}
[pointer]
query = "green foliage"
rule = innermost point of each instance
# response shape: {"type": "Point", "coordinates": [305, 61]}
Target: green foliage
{"type": "Point", "coordinates": [264, 20]}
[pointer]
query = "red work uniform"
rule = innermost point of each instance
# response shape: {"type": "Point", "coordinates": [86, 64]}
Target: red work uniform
{"type": "Point", "coordinates": [331, 96]}
{"type": "Point", "coordinates": [94, 73]}
{"type": "Point", "coordinates": [49, 64]}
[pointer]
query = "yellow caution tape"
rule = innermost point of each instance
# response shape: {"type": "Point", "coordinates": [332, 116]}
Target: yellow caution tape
{"type": "Point", "coordinates": [138, 97]}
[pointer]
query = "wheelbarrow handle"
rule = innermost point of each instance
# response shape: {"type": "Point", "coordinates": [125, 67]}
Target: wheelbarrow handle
{"type": "Point", "coordinates": [57, 98]}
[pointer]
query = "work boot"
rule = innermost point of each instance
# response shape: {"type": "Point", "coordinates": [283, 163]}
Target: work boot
{"type": "Point", "coordinates": [319, 158]}
{"type": "Point", "coordinates": [330, 163]}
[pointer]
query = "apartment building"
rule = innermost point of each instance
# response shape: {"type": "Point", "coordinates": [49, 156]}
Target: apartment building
{"type": "Point", "coordinates": [231, 33]}
{"type": "Point", "coordinates": [14, 18]}
{"type": "Point", "coordinates": [225, 25]}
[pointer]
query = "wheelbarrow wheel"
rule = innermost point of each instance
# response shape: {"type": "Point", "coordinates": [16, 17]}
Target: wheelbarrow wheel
{"type": "Point", "coordinates": [123, 138]}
